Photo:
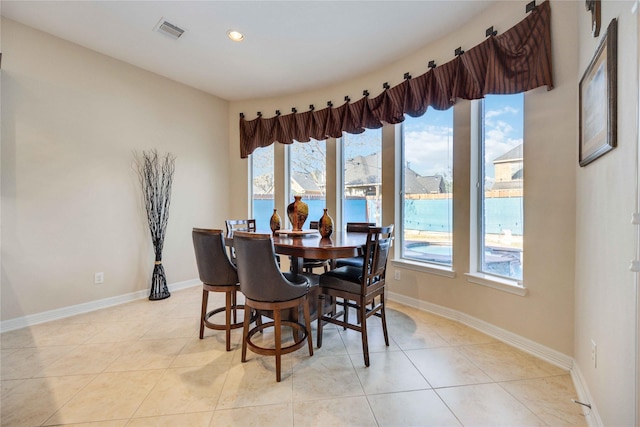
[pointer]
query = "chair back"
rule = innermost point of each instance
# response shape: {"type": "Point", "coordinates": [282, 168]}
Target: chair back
{"type": "Point", "coordinates": [314, 225]}
{"type": "Point", "coordinates": [359, 227]}
{"type": "Point", "coordinates": [234, 225]}
{"type": "Point", "coordinates": [260, 277]}
{"type": "Point", "coordinates": [214, 266]}
{"type": "Point", "coordinates": [375, 257]}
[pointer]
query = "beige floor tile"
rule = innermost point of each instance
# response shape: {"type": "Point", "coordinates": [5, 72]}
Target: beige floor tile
{"type": "Point", "coordinates": [446, 367]}
{"type": "Point", "coordinates": [353, 340]}
{"type": "Point", "coordinates": [108, 332]}
{"type": "Point", "coordinates": [254, 383]}
{"type": "Point", "coordinates": [412, 408]}
{"type": "Point", "coordinates": [503, 362]}
{"type": "Point", "coordinates": [33, 401]}
{"type": "Point", "coordinates": [28, 362]}
{"type": "Point", "coordinates": [84, 359]}
{"type": "Point", "coordinates": [181, 390]}
{"type": "Point", "coordinates": [179, 327]}
{"type": "Point", "coordinates": [207, 351]}
{"type": "Point", "coordinates": [550, 399]}
{"type": "Point", "coordinates": [455, 333]}
{"type": "Point", "coordinates": [196, 419]}
{"type": "Point", "coordinates": [343, 412]}
{"type": "Point", "coordinates": [155, 371]}
{"type": "Point", "coordinates": [487, 405]}
{"type": "Point", "coordinates": [263, 416]}
{"type": "Point", "coordinates": [325, 377]}
{"type": "Point", "coordinates": [110, 423]}
{"type": "Point", "coordinates": [415, 336]}
{"type": "Point", "coordinates": [110, 396]}
{"type": "Point", "coordinates": [389, 372]}
{"type": "Point", "coordinates": [148, 354]}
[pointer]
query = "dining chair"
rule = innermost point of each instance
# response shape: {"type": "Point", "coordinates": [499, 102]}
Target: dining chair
{"type": "Point", "coordinates": [308, 264]}
{"type": "Point", "coordinates": [234, 225]}
{"type": "Point", "coordinates": [359, 288]}
{"type": "Point", "coordinates": [266, 288]}
{"type": "Point", "coordinates": [217, 274]}
{"type": "Point", "coordinates": [355, 227]}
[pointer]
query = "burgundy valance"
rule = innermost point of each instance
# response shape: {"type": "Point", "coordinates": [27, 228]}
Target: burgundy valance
{"type": "Point", "coordinates": [513, 62]}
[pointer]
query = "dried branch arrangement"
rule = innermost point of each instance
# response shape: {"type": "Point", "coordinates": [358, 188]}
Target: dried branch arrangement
{"type": "Point", "coordinates": [156, 176]}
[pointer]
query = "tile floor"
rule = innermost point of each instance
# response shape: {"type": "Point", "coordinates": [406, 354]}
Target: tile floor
{"type": "Point", "coordinates": [142, 364]}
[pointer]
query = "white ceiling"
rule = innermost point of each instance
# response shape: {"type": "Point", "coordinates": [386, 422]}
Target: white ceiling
{"type": "Point", "coordinates": [289, 46]}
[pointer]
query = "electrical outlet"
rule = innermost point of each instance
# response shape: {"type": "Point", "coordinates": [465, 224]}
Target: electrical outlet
{"type": "Point", "coordinates": [594, 354]}
{"type": "Point", "coordinates": [396, 274]}
{"type": "Point", "coordinates": [98, 278]}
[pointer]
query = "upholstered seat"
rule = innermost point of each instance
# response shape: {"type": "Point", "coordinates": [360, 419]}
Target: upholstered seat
{"type": "Point", "coordinates": [358, 288]}
{"type": "Point", "coordinates": [266, 289]}
{"type": "Point", "coordinates": [217, 274]}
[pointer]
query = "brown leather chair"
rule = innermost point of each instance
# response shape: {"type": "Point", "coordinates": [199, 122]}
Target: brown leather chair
{"type": "Point", "coordinates": [355, 227]}
{"type": "Point", "coordinates": [217, 274]}
{"type": "Point", "coordinates": [266, 289]}
{"type": "Point", "coordinates": [359, 287]}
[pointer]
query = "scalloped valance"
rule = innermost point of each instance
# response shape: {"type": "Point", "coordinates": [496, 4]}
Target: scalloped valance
{"type": "Point", "coordinates": [516, 61]}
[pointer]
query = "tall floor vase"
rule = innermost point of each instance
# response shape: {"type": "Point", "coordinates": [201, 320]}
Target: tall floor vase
{"type": "Point", "coordinates": [156, 176]}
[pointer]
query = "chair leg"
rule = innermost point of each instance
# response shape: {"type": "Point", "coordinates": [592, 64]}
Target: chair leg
{"type": "Point", "coordinates": [383, 317]}
{"type": "Point", "coordinates": [278, 342]}
{"type": "Point", "coordinates": [227, 318]}
{"type": "Point", "coordinates": [307, 322]}
{"type": "Point", "coordinates": [362, 316]}
{"type": "Point", "coordinates": [346, 312]}
{"type": "Point", "coordinates": [320, 312]}
{"type": "Point", "coordinates": [245, 333]}
{"type": "Point", "coordinates": [203, 312]}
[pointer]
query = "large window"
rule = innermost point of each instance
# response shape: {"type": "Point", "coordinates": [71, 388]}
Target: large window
{"type": "Point", "coordinates": [500, 187]}
{"type": "Point", "coordinates": [427, 187]}
{"type": "Point", "coordinates": [362, 177]}
{"type": "Point", "coordinates": [263, 186]}
{"type": "Point", "coordinates": [307, 176]}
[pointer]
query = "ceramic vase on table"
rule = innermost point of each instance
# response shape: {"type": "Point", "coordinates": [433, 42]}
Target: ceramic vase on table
{"type": "Point", "coordinates": [297, 213]}
{"type": "Point", "coordinates": [325, 225]}
{"type": "Point", "coordinates": [275, 222]}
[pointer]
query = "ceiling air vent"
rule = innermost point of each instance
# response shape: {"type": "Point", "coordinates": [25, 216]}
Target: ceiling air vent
{"type": "Point", "coordinates": [167, 28]}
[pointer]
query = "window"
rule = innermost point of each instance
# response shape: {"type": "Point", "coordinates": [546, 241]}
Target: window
{"type": "Point", "coordinates": [307, 176]}
{"type": "Point", "coordinates": [362, 177]}
{"type": "Point", "coordinates": [499, 180]}
{"type": "Point", "coordinates": [427, 188]}
{"type": "Point", "coordinates": [263, 185]}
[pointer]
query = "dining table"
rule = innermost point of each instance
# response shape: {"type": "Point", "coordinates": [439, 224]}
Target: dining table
{"type": "Point", "coordinates": [310, 244]}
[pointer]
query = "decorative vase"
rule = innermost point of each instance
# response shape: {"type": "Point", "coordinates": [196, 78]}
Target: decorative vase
{"type": "Point", "coordinates": [297, 213]}
{"type": "Point", "coordinates": [275, 221]}
{"type": "Point", "coordinates": [325, 225]}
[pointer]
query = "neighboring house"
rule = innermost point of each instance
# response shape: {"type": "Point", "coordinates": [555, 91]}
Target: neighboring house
{"type": "Point", "coordinates": [509, 170]}
{"type": "Point", "coordinates": [362, 175]}
{"type": "Point", "coordinates": [418, 184]}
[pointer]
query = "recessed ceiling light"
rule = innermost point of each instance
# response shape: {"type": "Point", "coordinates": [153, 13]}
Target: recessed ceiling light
{"type": "Point", "coordinates": [236, 36]}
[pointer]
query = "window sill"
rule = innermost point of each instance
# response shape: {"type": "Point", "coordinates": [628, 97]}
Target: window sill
{"type": "Point", "coordinates": [425, 268]}
{"type": "Point", "coordinates": [506, 285]}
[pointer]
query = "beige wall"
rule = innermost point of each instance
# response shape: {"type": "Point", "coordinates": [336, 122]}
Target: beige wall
{"type": "Point", "coordinates": [71, 203]}
{"type": "Point", "coordinates": [605, 239]}
{"type": "Point", "coordinates": [546, 314]}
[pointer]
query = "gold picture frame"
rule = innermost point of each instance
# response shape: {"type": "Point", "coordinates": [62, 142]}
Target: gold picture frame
{"type": "Point", "coordinates": [598, 100]}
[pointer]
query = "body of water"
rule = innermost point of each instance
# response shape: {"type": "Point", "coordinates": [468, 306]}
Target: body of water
{"type": "Point", "coordinates": [501, 214]}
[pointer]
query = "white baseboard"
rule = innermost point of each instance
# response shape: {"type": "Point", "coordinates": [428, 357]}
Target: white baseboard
{"type": "Point", "coordinates": [60, 313]}
{"type": "Point", "coordinates": [590, 414]}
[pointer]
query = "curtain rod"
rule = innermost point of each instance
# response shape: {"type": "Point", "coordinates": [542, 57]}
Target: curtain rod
{"type": "Point", "coordinates": [490, 32]}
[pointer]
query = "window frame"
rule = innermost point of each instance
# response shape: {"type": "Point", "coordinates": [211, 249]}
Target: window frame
{"type": "Point", "coordinates": [476, 209]}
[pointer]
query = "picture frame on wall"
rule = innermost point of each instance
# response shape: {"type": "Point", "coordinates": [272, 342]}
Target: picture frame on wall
{"type": "Point", "coordinates": [598, 100]}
